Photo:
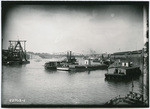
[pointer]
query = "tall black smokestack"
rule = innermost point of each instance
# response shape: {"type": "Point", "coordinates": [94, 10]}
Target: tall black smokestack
{"type": "Point", "coordinates": [70, 54]}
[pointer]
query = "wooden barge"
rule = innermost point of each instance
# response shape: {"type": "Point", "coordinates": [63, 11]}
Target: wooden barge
{"type": "Point", "coordinates": [121, 70]}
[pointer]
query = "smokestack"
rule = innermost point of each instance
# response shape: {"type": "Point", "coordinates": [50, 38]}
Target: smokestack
{"type": "Point", "coordinates": [67, 55]}
{"type": "Point", "coordinates": [70, 54]}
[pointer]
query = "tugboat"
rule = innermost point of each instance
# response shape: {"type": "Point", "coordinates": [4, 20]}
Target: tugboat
{"type": "Point", "coordinates": [121, 70]}
{"type": "Point", "coordinates": [64, 65]}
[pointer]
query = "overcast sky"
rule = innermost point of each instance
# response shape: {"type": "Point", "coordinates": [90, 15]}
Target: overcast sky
{"type": "Point", "coordinates": [53, 28]}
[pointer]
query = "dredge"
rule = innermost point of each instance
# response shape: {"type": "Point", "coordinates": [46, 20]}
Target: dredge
{"type": "Point", "coordinates": [16, 53]}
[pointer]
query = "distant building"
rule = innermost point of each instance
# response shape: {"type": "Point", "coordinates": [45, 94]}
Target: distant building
{"type": "Point", "coordinates": [134, 56]}
{"type": "Point", "coordinates": [126, 54]}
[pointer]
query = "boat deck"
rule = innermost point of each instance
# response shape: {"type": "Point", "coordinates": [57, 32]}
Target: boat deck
{"type": "Point", "coordinates": [132, 98]}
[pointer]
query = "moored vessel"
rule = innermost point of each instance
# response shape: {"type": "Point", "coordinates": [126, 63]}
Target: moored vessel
{"type": "Point", "coordinates": [16, 53]}
{"type": "Point", "coordinates": [70, 60]}
{"type": "Point", "coordinates": [121, 70]}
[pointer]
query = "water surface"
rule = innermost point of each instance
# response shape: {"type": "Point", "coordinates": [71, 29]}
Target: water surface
{"type": "Point", "coordinates": [35, 85]}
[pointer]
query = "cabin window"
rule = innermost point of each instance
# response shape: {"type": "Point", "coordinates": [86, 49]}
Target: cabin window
{"type": "Point", "coordinates": [127, 64]}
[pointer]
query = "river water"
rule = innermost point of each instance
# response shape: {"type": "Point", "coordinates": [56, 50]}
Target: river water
{"type": "Point", "coordinates": [34, 85]}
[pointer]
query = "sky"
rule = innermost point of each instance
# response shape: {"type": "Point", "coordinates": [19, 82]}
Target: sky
{"type": "Point", "coordinates": [77, 28]}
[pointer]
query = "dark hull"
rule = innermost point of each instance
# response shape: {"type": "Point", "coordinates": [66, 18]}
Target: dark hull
{"type": "Point", "coordinates": [97, 67]}
{"type": "Point", "coordinates": [50, 68]}
{"type": "Point", "coordinates": [115, 76]}
{"type": "Point", "coordinates": [15, 62]}
{"type": "Point", "coordinates": [125, 72]}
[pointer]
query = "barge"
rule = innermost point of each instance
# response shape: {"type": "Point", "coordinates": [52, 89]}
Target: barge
{"type": "Point", "coordinates": [82, 67]}
{"type": "Point", "coordinates": [121, 70]}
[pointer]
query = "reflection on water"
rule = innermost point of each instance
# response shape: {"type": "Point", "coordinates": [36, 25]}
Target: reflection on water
{"type": "Point", "coordinates": [39, 86]}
